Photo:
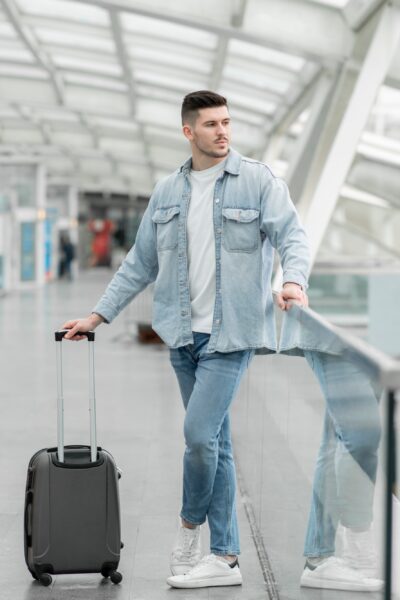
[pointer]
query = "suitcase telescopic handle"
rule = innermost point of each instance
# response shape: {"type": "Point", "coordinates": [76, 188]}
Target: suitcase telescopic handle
{"type": "Point", "coordinates": [62, 332]}
{"type": "Point", "coordinates": [59, 335]}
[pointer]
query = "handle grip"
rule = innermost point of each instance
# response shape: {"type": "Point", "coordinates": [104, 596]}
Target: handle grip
{"type": "Point", "coordinates": [62, 332]}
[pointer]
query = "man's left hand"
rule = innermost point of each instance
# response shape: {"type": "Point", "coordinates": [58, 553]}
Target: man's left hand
{"type": "Point", "coordinates": [293, 292]}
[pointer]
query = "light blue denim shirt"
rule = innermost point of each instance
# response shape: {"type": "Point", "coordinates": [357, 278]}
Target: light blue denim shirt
{"type": "Point", "coordinates": [253, 214]}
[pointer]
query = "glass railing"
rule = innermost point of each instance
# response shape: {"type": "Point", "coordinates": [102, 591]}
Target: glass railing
{"type": "Point", "coordinates": [314, 434]}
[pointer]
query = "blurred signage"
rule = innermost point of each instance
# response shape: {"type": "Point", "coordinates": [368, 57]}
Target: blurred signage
{"type": "Point", "coordinates": [28, 231]}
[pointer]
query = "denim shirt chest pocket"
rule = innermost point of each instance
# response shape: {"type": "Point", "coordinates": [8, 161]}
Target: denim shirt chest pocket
{"type": "Point", "coordinates": [166, 220]}
{"type": "Point", "coordinates": [241, 231]}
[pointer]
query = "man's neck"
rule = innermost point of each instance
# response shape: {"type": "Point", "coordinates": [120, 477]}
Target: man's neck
{"type": "Point", "coordinates": [202, 162]}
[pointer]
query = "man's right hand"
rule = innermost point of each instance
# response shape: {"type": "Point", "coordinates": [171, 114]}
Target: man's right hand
{"type": "Point", "coordinates": [76, 325]}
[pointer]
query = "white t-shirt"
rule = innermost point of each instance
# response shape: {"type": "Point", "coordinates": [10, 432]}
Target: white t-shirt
{"type": "Point", "coordinates": [201, 247]}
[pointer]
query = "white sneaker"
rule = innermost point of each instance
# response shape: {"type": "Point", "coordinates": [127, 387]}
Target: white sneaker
{"type": "Point", "coordinates": [186, 552]}
{"type": "Point", "coordinates": [359, 551]}
{"type": "Point", "coordinates": [334, 574]}
{"type": "Point", "coordinates": [211, 571]}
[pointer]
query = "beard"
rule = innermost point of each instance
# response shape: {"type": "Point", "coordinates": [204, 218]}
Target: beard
{"type": "Point", "coordinates": [213, 153]}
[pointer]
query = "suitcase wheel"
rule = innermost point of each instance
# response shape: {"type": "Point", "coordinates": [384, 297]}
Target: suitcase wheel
{"type": "Point", "coordinates": [45, 579]}
{"type": "Point", "coordinates": [116, 577]}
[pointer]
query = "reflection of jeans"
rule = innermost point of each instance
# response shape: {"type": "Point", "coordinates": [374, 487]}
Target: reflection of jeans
{"type": "Point", "coordinates": [208, 383]}
{"type": "Point", "coordinates": [346, 467]}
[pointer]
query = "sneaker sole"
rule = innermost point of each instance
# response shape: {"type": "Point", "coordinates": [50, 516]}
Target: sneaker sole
{"type": "Point", "coordinates": [341, 585]}
{"type": "Point", "coordinates": [215, 582]}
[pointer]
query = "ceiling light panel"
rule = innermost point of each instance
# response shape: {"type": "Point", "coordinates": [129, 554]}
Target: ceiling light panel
{"type": "Point", "coordinates": [158, 93]}
{"type": "Point", "coordinates": [27, 135]}
{"type": "Point", "coordinates": [107, 103]}
{"type": "Point", "coordinates": [94, 166]}
{"type": "Point", "coordinates": [56, 116]}
{"type": "Point", "coordinates": [59, 37]}
{"type": "Point", "coordinates": [122, 147]}
{"type": "Point", "coordinates": [247, 101]}
{"type": "Point", "coordinates": [152, 112]}
{"type": "Point", "coordinates": [23, 72]}
{"type": "Point", "coordinates": [78, 64]}
{"type": "Point", "coordinates": [7, 31]}
{"type": "Point", "coordinates": [247, 116]}
{"type": "Point", "coordinates": [167, 80]}
{"type": "Point", "coordinates": [97, 82]}
{"type": "Point", "coordinates": [74, 11]}
{"type": "Point", "coordinates": [208, 11]}
{"type": "Point", "coordinates": [168, 30]}
{"type": "Point", "coordinates": [166, 58]}
{"type": "Point", "coordinates": [266, 55]}
{"type": "Point", "coordinates": [256, 80]}
{"type": "Point", "coordinates": [73, 140]}
{"type": "Point", "coordinates": [16, 54]}
{"type": "Point", "coordinates": [333, 3]}
{"type": "Point", "coordinates": [116, 124]}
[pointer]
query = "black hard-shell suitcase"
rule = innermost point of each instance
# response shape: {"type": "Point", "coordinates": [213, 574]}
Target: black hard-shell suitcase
{"type": "Point", "coordinates": [72, 514]}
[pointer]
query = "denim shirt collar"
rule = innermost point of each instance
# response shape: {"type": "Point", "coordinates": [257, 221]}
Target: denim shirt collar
{"type": "Point", "coordinates": [232, 165]}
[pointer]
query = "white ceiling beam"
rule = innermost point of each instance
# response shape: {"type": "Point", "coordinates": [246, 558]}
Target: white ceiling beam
{"type": "Point", "coordinates": [90, 129]}
{"type": "Point", "coordinates": [126, 67]}
{"type": "Point", "coordinates": [357, 12]}
{"type": "Point", "coordinates": [237, 18]}
{"type": "Point", "coordinates": [286, 44]}
{"type": "Point", "coordinates": [123, 58]}
{"type": "Point", "coordinates": [28, 39]}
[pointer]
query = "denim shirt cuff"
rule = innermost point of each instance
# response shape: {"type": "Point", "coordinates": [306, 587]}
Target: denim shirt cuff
{"type": "Point", "coordinates": [105, 310]}
{"type": "Point", "coordinates": [295, 277]}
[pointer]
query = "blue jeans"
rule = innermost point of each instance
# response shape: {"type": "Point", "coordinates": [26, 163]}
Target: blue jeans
{"type": "Point", "coordinates": [345, 472]}
{"type": "Point", "coordinates": [208, 384]}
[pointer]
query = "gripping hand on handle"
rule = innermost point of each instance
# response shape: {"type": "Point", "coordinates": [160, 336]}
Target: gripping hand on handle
{"type": "Point", "coordinates": [87, 324]}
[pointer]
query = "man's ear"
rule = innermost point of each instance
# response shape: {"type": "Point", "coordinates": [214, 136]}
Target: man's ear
{"type": "Point", "coordinates": [187, 131]}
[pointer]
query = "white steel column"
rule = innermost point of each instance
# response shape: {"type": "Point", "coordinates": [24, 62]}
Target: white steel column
{"type": "Point", "coordinates": [372, 73]}
{"type": "Point", "coordinates": [307, 142]}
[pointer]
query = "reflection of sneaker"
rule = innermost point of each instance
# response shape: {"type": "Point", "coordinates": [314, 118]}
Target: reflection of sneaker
{"type": "Point", "coordinates": [186, 552]}
{"type": "Point", "coordinates": [334, 574]}
{"type": "Point", "coordinates": [359, 551]}
{"type": "Point", "coordinates": [209, 572]}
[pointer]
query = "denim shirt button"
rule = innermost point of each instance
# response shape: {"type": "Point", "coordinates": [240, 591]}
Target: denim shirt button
{"type": "Point", "coordinates": [219, 230]}
{"type": "Point", "coordinates": [218, 321]}
{"type": "Point", "coordinates": [217, 200]}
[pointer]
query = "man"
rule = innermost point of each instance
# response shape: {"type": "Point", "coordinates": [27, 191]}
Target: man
{"type": "Point", "coordinates": [206, 240]}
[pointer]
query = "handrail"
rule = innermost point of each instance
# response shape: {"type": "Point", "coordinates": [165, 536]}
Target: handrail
{"type": "Point", "coordinates": [385, 369]}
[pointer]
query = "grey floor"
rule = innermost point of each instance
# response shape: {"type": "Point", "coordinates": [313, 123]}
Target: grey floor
{"type": "Point", "coordinates": [276, 422]}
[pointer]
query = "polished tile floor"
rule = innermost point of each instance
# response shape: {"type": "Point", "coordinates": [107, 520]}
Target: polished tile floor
{"type": "Point", "coordinates": [139, 418]}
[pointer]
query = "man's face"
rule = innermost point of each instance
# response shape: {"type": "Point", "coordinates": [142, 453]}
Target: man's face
{"type": "Point", "coordinates": [211, 132]}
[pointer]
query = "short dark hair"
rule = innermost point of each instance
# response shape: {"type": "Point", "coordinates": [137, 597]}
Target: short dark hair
{"type": "Point", "coordinates": [194, 101]}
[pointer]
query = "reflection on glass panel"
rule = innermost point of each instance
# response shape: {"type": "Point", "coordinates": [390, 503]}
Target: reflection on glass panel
{"type": "Point", "coordinates": [339, 293]}
{"type": "Point", "coordinates": [309, 436]}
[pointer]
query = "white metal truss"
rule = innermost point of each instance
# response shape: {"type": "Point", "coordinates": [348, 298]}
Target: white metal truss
{"type": "Point", "coordinates": [343, 143]}
{"type": "Point", "coordinates": [92, 88]}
